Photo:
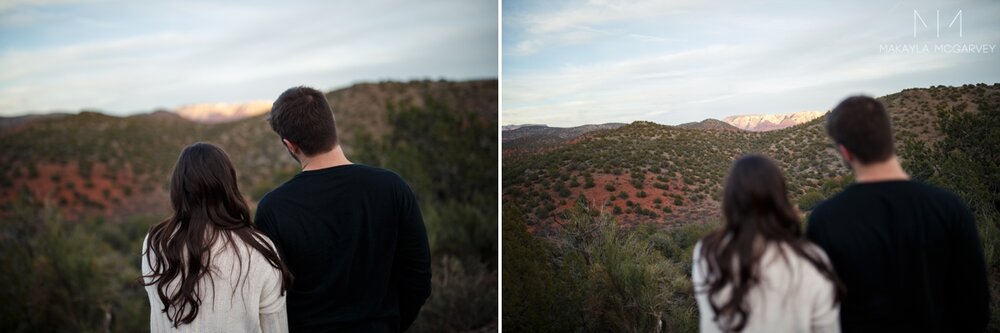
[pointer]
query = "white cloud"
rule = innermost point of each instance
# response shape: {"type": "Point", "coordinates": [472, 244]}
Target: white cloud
{"type": "Point", "coordinates": [195, 52]}
{"type": "Point", "coordinates": [579, 23]}
{"type": "Point", "coordinates": [738, 60]}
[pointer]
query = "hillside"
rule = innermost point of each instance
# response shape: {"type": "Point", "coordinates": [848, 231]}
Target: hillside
{"type": "Point", "coordinates": [96, 183]}
{"type": "Point", "coordinates": [514, 127]}
{"type": "Point", "coordinates": [770, 122]}
{"type": "Point", "coordinates": [538, 138]}
{"type": "Point", "coordinates": [646, 173]}
{"type": "Point", "coordinates": [95, 163]}
{"type": "Point", "coordinates": [710, 124]}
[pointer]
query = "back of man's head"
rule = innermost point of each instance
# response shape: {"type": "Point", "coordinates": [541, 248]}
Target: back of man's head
{"type": "Point", "coordinates": [861, 124]}
{"type": "Point", "coordinates": [303, 116]}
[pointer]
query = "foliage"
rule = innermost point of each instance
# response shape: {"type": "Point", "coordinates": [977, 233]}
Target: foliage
{"type": "Point", "coordinates": [595, 273]}
{"type": "Point", "coordinates": [599, 276]}
{"type": "Point", "coordinates": [68, 274]}
{"type": "Point", "coordinates": [448, 158]}
{"type": "Point", "coordinates": [967, 162]}
{"type": "Point", "coordinates": [536, 282]}
{"type": "Point", "coordinates": [60, 275]}
{"type": "Point", "coordinates": [809, 200]}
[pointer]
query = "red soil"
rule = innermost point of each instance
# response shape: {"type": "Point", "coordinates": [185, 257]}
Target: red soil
{"type": "Point", "coordinates": [63, 186]}
{"type": "Point", "coordinates": [598, 195]}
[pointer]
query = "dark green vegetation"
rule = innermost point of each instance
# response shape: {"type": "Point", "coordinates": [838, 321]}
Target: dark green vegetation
{"type": "Point", "coordinates": [710, 124]}
{"type": "Point", "coordinates": [596, 275]}
{"type": "Point", "coordinates": [947, 136]}
{"type": "Point", "coordinates": [70, 250]}
{"type": "Point", "coordinates": [685, 168]}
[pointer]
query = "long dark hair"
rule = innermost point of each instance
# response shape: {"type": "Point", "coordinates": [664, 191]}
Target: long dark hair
{"type": "Point", "coordinates": [207, 208]}
{"type": "Point", "coordinates": [757, 214]}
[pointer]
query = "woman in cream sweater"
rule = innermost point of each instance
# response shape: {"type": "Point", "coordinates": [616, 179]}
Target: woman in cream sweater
{"type": "Point", "coordinates": [206, 268]}
{"type": "Point", "coordinates": [757, 273]}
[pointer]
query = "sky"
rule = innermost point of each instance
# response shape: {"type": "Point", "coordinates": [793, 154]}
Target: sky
{"type": "Point", "coordinates": [126, 57]}
{"type": "Point", "coordinates": [569, 63]}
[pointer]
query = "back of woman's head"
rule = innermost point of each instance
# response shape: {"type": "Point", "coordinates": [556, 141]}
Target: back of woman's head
{"type": "Point", "coordinates": [204, 184]}
{"type": "Point", "coordinates": [207, 208]}
{"type": "Point", "coordinates": [755, 201]}
{"type": "Point", "coordinates": [757, 214]}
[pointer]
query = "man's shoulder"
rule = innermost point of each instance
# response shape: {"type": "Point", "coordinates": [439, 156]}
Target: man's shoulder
{"type": "Point", "coordinates": [829, 207]}
{"type": "Point", "coordinates": [381, 176]}
{"type": "Point", "coordinates": [936, 192]}
{"type": "Point", "coordinates": [272, 196]}
{"type": "Point", "coordinates": [939, 195]}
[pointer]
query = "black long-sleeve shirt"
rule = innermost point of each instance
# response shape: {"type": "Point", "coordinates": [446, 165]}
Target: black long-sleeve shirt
{"type": "Point", "coordinates": [354, 239]}
{"type": "Point", "coordinates": [909, 255]}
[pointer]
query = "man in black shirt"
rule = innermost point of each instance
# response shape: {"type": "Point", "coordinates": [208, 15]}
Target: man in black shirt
{"type": "Point", "coordinates": [908, 253]}
{"type": "Point", "coordinates": [352, 235]}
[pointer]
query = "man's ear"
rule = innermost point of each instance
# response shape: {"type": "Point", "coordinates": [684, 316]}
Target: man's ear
{"type": "Point", "coordinates": [845, 153]}
{"type": "Point", "coordinates": [292, 147]}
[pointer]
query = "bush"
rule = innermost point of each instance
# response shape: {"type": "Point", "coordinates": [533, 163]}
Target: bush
{"type": "Point", "coordinates": [809, 200]}
{"type": "Point", "coordinates": [81, 277]}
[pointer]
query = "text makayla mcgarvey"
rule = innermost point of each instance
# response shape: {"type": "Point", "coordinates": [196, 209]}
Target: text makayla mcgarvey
{"type": "Point", "coordinates": [937, 48]}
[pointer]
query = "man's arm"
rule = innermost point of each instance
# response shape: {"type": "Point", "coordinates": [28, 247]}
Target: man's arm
{"type": "Point", "coordinates": [971, 306]}
{"type": "Point", "coordinates": [814, 232]}
{"type": "Point", "coordinates": [412, 261]}
{"type": "Point", "coordinates": [264, 220]}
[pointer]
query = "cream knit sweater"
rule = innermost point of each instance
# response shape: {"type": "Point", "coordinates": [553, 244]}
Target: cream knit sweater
{"type": "Point", "coordinates": [238, 298]}
{"type": "Point", "coordinates": [792, 296]}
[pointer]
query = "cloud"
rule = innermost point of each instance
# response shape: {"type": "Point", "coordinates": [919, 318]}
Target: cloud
{"type": "Point", "coordinates": [579, 23]}
{"type": "Point", "coordinates": [680, 63]}
{"type": "Point", "coordinates": [136, 59]}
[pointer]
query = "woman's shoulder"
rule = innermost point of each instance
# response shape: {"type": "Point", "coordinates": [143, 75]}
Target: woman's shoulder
{"type": "Point", "coordinates": [247, 250]}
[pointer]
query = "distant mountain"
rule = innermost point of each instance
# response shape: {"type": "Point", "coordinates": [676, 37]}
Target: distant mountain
{"type": "Point", "coordinates": [711, 124]}
{"type": "Point", "coordinates": [535, 138]}
{"type": "Point", "coordinates": [648, 173]}
{"type": "Point", "coordinates": [7, 123]}
{"type": "Point", "coordinates": [514, 127]}
{"type": "Point", "coordinates": [770, 122]}
{"type": "Point", "coordinates": [566, 133]}
{"type": "Point", "coordinates": [223, 112]}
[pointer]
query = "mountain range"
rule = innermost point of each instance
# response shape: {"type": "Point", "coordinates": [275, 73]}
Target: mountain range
{"type": "Point", "coordinates": [93, 163]}
{"type": "Point", "coordinates": [648, 173]}
{"type": "Point", "coordinates": [770, 122]}
{"type": "Point", "coordinates": [535, 135]}
{"type": "Point", "coordinates": [223, 112]}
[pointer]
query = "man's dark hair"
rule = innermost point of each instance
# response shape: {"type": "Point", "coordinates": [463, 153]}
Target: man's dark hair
{"type": "Point", "coordinates": [303, 116]}
{"type": "Point", "coordinates": [861, 124]}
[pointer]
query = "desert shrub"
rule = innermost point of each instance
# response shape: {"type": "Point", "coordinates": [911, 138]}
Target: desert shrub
{"type": "Point", "coordinates": [809, 200]}
{"type": "Point", "coordinates": [594, 275]}
{"type": "Point", "coordinates": [965, 162]}
{"type": "Point", "coordinates": [81, 278]}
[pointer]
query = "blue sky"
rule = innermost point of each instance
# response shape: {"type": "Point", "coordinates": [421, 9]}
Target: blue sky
{"type": "Point", "coordinates": [568, 63]}
{"type": "Point", "coordinates": [125, 57]}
